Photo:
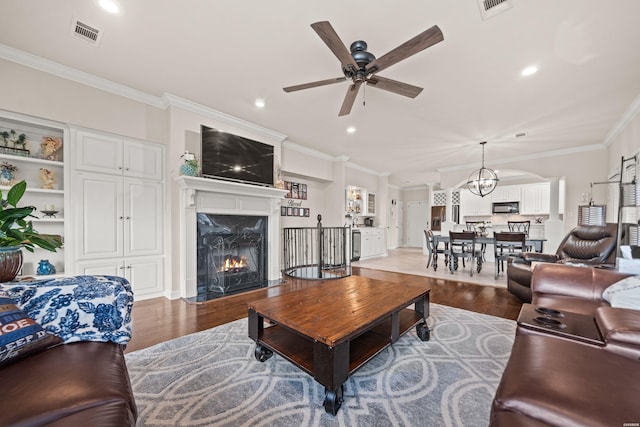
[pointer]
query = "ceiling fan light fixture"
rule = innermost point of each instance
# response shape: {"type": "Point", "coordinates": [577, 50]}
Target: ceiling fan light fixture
{"type": "Point", "coordinates": [483, 181]}
{"type": "Point", "coordinates": [529, 71]}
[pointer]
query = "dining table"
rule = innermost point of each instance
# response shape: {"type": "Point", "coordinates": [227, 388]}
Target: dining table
{"type": "Point", "coordinates": [536, 244]}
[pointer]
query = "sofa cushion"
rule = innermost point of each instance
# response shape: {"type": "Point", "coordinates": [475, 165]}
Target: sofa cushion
{"type": "Point", "coordinates": [624, 293]}
{"type": "Point", "coordinates": [20, 335]}
{"type": "Point", "coordinates": [566, 383]}
{"type": "Point", "coordinates": [67, 382]}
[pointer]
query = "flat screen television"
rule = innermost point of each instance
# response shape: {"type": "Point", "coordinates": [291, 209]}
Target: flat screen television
{"type": "Point", "coordinates": [232, 157]}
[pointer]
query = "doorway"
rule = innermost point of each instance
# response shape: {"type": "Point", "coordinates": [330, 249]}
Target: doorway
{"type": "Point", "coordinates": [417, 222]}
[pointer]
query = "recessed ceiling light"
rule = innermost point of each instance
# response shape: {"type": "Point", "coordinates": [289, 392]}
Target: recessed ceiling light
{"type": "Point", "coordinates": [260, 103]}
{"type": "Point", "coordinates": [237, 168]}
{"type": "Point", "coordinates": [530, 70]}
{"type": "Point", "coordinates": [351, 129]}
{"type": "Point", "coordinates": [110, 6]}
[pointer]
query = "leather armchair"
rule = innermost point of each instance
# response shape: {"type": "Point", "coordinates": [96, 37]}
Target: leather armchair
{"type": "Point", "coordinates": [593, 246]}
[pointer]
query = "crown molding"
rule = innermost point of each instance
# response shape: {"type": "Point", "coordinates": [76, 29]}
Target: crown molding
{"type": "Point", "coordinates": [366, 170]}
{"type": "Point", "coordinates": [165, 101]}
{"type": "Point", "coordinates": [546, 154]}
{"type": "Point", "coordinates": [310, 151]}
{"type": "Point", "coordinates": [69, 73]}
{"type": "Point", "coordinates": [624, 121]}
{"type": "Point", "coordinates": [170, 100]}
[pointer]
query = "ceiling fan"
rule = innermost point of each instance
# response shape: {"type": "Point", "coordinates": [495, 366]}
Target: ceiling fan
{"type": "Point", "coordinates": [362, 67]}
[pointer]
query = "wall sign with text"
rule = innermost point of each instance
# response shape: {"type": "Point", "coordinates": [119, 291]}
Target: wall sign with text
{"type": "Point", "coordinates": [297, 192]}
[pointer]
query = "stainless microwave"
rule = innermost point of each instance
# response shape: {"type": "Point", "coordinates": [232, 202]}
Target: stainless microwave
{"type": "Point", "coordinates": [506, 208]}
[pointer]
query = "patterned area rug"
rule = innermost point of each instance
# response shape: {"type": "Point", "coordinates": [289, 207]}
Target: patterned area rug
{"type": "Point", "coordinates": [211, 378]}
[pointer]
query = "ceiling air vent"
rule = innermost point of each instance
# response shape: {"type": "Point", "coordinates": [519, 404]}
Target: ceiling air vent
{"type": "Point", "coordinates": [491, 8]}
{"type": "Point", "coordinates": [86, 32]}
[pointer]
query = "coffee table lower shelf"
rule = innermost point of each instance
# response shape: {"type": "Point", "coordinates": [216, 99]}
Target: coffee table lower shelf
{"type": "Point", "coordinates": [331, 366]}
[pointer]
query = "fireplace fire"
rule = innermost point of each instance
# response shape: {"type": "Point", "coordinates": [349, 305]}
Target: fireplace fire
{"type": "Point", "coordinates": [231, 254]}
{"type": "Point", "coordinates": [234, 264]}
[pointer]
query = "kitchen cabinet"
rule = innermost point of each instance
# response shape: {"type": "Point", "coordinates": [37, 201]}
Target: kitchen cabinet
{"type": "Point", "coordinates": [31, 162]}
{"type": "Point", "coordinates": [118, 210]}
{"type": "Point", "coordinates": [372, 242]}
{"type": "Point", "coordinates": [535, 199]}
{"type": "Point", "coordinates": [371, 204]}
{"type": "Point", "coordinates": [472, 205]}
{"type": "Point", "coordinates": [506, 193]}
{"type": "Point", "coordinates": [354, 201]}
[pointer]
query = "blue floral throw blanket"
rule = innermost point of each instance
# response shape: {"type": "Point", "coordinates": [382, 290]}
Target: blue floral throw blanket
{"type": "Point", "coordinates": [78, 308]}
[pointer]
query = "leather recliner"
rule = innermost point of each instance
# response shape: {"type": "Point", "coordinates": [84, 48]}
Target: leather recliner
{"type": "Point", "coordinates": [593, 246]}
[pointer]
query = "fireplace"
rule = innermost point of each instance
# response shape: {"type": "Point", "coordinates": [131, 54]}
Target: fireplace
{"type": "Point", "coordinates": [211, 198]}
{"type": "Point", "coordinates": [231, 254]}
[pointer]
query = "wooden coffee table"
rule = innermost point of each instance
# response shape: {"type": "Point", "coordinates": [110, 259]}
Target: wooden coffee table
{"type": "Point", "coordinates": [332, 329]}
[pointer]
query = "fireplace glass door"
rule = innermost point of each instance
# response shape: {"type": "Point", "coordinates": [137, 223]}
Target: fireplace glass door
{"type": "Point", "coordinates": [232, 254]}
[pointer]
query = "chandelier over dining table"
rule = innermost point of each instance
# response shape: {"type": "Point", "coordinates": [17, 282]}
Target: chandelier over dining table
{"type": "Point", "coordinates": [484, 180]}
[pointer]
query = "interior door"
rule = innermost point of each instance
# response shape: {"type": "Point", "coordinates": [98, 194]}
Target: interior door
{"type": "Point", "coordinates": [417, 222]}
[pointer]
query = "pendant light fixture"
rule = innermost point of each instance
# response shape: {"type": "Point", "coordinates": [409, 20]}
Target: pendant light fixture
{"type": "Point", "coordinates": [484, 180]}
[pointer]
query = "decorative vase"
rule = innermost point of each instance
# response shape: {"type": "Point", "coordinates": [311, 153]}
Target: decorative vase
{"type": "Point", "coordinates": [10, 262]}
{"type": "Point", "coordinates": [188, 169]}
{"type": "Point", "coordinates": [45, 268]}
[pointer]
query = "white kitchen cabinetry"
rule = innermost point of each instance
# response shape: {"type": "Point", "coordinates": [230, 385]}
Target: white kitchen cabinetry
{"type": "Point", "coordinates": [535, 199]}
{"type": "Point", "coordinates": [372, 242]}
{"type": "Point", "coordinates": [472, 205]}
{"type": "Point", "coordinates": [506, 193]}
{"type": "Point", "coordinates": [119, 208]}
{"type": "Point", "coordinates": [29, 162]}
{"type": "Point", "coordinates": [354, 201]}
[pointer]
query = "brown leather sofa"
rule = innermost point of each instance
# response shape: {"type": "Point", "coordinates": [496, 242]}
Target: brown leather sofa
{"type": "Point", "coordinates": [555, 381]}
{"type": "Point", "coordinates": [76, 384]}
{"type": "Point", "coordinates": [584, 245]}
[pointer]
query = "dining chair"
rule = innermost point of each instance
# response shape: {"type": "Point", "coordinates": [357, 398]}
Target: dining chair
{"type": "Point", "coordinates": [507, 245]}
{"type": "Point", "coordinates": [462, 245]}
{"type": "Point", "coordinates": [434, 249]}
{"type": "Point", "coordinates": [520, 227]}
{"type": "Point", "coordinates": [473, 226]}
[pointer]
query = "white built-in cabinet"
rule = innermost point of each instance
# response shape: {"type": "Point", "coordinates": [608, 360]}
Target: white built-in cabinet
{"type": "Point", "coordinates": [372, 242]}
{"type": "Point", "coordinates": [29, 162]}
{"type": "Point", "coordinates": [118, 193]}
{"type": "Point", "coordinates": [473, 205]}
{"type": "Point", "coordinates": [535, 199]}
{"type": "Point", "coordinates": [506, 193]}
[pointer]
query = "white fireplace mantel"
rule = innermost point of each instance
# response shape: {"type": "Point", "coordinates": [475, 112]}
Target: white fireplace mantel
{"type": "Point", "coordinates": [204, 195]}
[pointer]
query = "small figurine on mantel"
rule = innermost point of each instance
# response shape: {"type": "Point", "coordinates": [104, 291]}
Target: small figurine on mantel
{"type": "Point", "coordinates": [48, 178]}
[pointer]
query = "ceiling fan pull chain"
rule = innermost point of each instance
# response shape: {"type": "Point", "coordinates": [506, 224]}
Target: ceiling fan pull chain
{"type": "Point", "coordinates": [364, 94]}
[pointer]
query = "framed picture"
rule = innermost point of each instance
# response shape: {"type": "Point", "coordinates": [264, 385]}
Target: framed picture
{"type": "Point", "coordinates": [289, 211]}
{"type": "Point", "coordinates": [303, 191]}
{"type": "Point", "coordinates": [283, 211]}
{"type": "Point", "coordinates": [287, 186]}
{"type": "Point", "coordinates": [306, 212]}
{"type": "Point", "coordinates": [295, 194]}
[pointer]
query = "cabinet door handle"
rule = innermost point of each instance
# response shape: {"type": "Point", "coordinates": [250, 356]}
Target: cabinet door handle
{"type": "Point", "coordinates": [128, 267]}
{"type": "Point", "coordinates": [128, 217]}
{"type": "Point", "coordinates": [121, 217]}
{"type": "Point", "coordinates": [122, 267]}
{"type": "Point", "coordinates": [119, 168]}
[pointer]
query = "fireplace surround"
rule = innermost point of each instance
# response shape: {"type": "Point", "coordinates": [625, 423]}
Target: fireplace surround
{"type": "Point", "coordinates": [217, 197]}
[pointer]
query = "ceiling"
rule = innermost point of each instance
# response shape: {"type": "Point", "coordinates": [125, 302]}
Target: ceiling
{"type": "Point", "coordinates": [226, 53]}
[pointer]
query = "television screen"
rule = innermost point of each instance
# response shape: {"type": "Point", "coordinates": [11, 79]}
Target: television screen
{"type": "Point", "coordinates": [235, 158]}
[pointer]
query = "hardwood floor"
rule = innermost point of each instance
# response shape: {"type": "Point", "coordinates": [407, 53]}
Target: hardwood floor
{"type": "Point", "coordinates": [160, 319]}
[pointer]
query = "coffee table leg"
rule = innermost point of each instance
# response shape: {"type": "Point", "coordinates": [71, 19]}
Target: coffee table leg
{"type": "Point", "coordinates": [422, 307]}
{"type": "Point", "coordinates": [333, 400]}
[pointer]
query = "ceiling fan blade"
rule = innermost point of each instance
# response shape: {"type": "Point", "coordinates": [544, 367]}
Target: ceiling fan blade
{"type": "Point", "coordinates": [420, 42]}
{"type": "Point", "coordinates": [349, 98]}
{"type": "Point", "coordinates": [333, 41]}
{"type": "Point", "coordinates": [394, 86]}
{"type": "Point", "coordinates": [314, 84]}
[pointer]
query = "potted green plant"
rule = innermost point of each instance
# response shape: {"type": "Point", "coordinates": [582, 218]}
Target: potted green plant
{"type": "Point", "coordinates": [16, 233]}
